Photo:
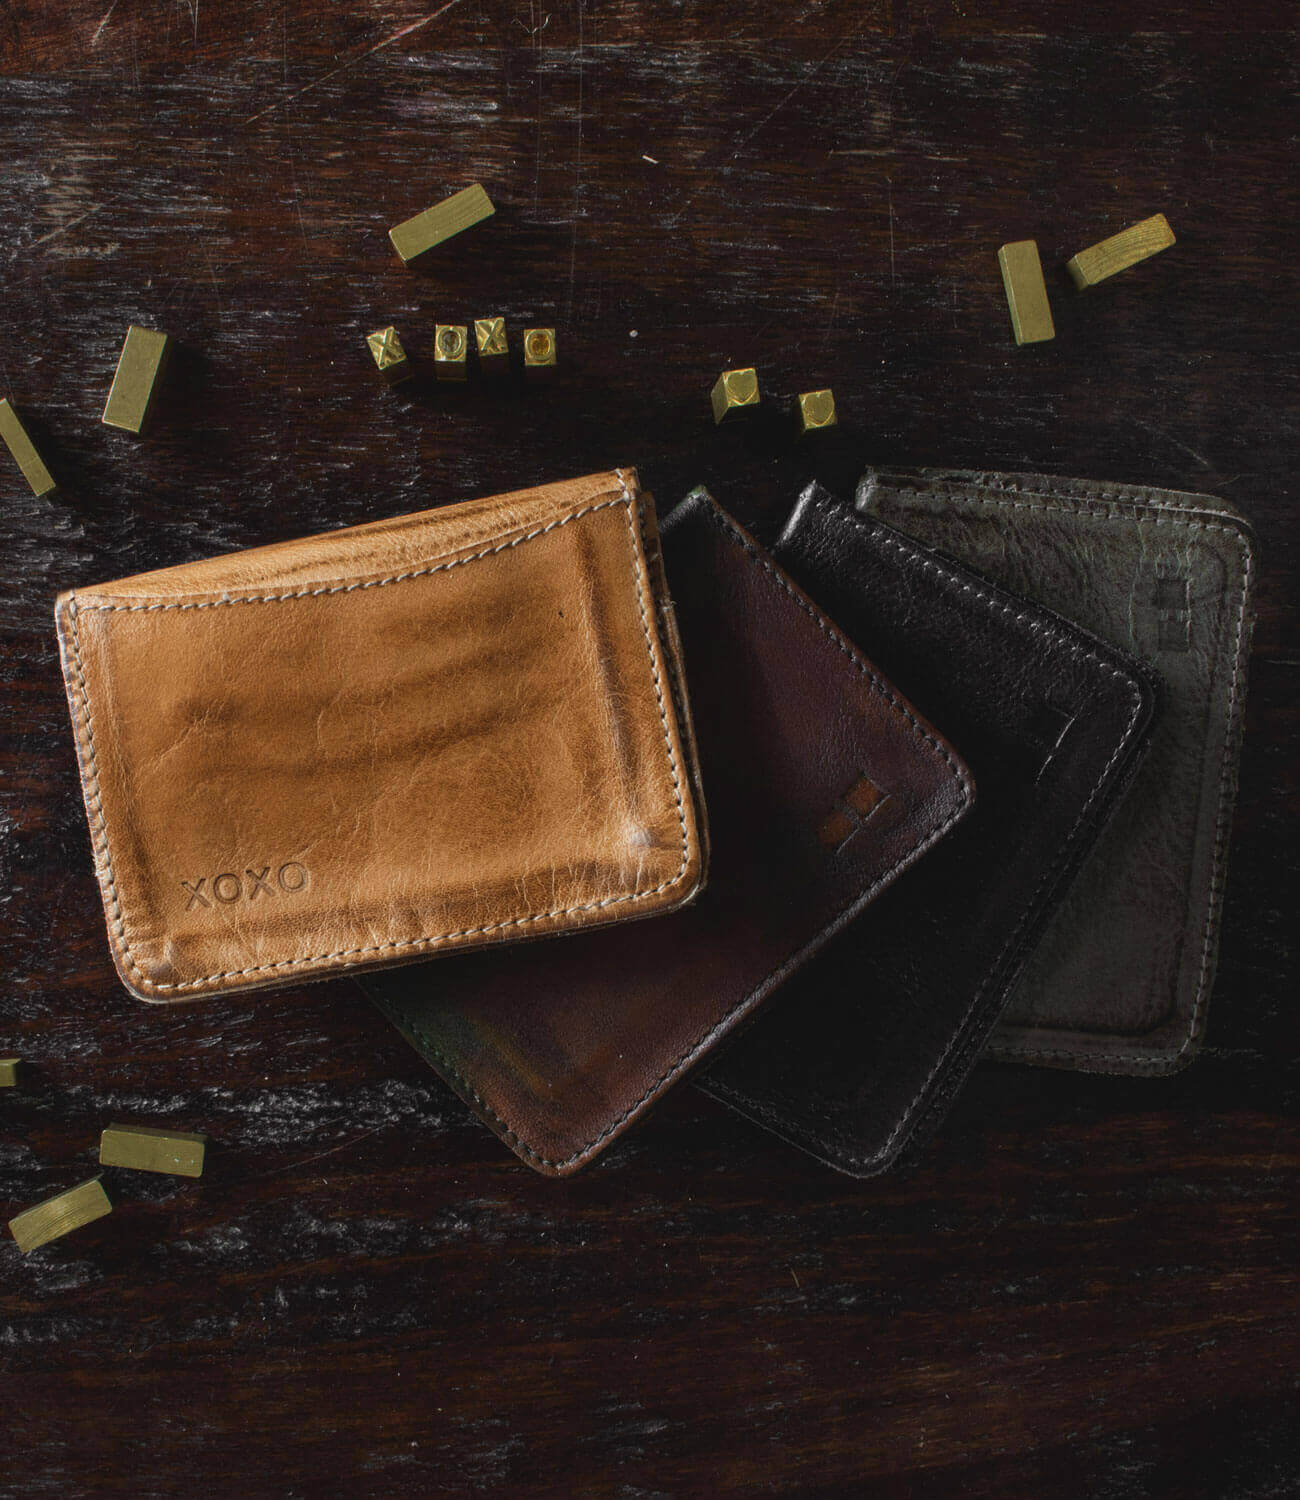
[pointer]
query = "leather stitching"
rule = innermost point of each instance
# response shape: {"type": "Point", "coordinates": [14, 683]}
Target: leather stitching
{"type": "Point", "coordinates": [843, 645]}
{"type": "Point", "coordinates": [958, 772]}
{"type": "Point", "coordinates": [1112, 505]}
{"type": "Point", "coordinates": [84, 721]}
{"type": "Point", "coordinates": [368, 583]}
{"type": "Point", "coordinates": [965, 1039]}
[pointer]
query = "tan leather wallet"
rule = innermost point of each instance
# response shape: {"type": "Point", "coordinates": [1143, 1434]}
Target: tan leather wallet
{"type": "Point", "coordinates": [451, 729]}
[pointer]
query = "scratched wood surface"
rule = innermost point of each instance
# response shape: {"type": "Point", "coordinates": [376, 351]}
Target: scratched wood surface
{"type": "Point", "coordinates": [1088, 1287]}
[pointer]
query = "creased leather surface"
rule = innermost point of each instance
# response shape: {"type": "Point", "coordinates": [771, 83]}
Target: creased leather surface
{"type": "Point", "coordinates": [1121, 982]}
{"type": "Point", "coordinates": [862, 1052]}
{"type": "Point", "coordinates": [560, 1046]}
{"type": "Point", "coordinates": [444, 730]}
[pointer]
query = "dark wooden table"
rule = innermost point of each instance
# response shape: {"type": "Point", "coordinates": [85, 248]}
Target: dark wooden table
{"type": "Point", "coordinates": [1088, 1287]}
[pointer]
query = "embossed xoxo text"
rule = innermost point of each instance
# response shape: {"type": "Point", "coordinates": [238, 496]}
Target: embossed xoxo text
{"type": "Point", "coordinates": [229, 887]}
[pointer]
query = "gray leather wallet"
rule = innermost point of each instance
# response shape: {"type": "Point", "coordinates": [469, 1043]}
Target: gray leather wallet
{"type": "Point", "coordinates": [1121, 980]}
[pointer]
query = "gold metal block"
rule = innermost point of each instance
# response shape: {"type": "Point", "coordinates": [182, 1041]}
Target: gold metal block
{"type": "Point", "coordinates": [493, 348]}
{"type": "Point", "coordinates": [24, 451]}
{"type": "Point", "coordinates": [139, 369]}
{"type": "Point", "coordinates": [816, 410]}
{"type": "Point", "coordinates": [9, 1067]}
{"type": "Point", "coordinates": [539, 351]}
{"type": "Point", "coordinates": [60, 1215]}
{"type": "Point", "coordinates": [425, 230]}
{"type": "Point", "coordinates": [390, 358]}
{"type": "Point", "coordinates": [733, 391]}
{"type": "Point", "coordinates": [1022, 276]}
{"type": "Point", "coordinates": [1120, 251]}
{"type": "Point", "coordinates": [149, 1150]}
{"type": "Point", "coordinates": [450, 351]}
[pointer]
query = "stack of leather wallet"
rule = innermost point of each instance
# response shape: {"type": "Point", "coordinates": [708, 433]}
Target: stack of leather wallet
{"type": "Point", "coordinates": [577, 799]}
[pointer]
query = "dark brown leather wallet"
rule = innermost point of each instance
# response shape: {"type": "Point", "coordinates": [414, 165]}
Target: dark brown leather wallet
{"type": "Point", "coordinates": [822, 784]}
{"type": "Point", "coordinates": [861, 1054]}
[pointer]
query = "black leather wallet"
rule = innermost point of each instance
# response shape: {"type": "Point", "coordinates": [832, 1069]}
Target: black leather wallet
{"type": "Point", "coordinates": [822, 785]}
{"type": "Point", "coordinates": [863, 1050]}
{"type": "Point", "coordinates": [1121, 981]}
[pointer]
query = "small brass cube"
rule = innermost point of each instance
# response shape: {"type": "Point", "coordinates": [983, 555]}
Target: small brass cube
{"type": "Point", "coordinates": [816, 410]}
{"type": "Point", "coordinates": [60, 1215]}
{"type": "Point", "coordinates": [24, 451]}
{"type": "Point", "coordinates": [9, 1067]}
{"type": "Point", "coordinates": [450, 351]}
{"type": "Point", "coordinates": [421, 233]}
{"type": "Point", "coordinates": [734, 390]}
{"type": "Point", "coordinates": [139, 371]}
{"type": "Point", "coordinates": [390, 358]}
{"type": "Point", "coordinates": [148, 1150]}
{"type": "Point", "coordinates": [493, 349]}
{"type": "Point", "coordinates": [539, 351]}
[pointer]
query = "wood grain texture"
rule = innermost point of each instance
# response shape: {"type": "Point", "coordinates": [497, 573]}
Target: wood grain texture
{"type": "Point", "coordinates": [1087, 1287]}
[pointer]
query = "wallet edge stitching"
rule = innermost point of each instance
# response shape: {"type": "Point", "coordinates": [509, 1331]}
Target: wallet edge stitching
{"type": "Point", "coordinates": [957, 770]}
{"type": "Point", "coordinates": [1115, 505]}
{"type": "Point", "coordinates": [758, 1108]}
{"type": "Point", "coordinates": [84, 718]}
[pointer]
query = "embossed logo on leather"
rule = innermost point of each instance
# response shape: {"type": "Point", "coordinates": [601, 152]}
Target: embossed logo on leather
{"type": "Point", "coordinates": [1173, 602]}
{"type": "Point", "coordinates": [851, 813]}
{"type": "Point", "coordinates": [228, 887]}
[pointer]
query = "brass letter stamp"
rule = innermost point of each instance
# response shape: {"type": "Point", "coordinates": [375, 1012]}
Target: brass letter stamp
{"type": "Point", "coordinates": [450, 351]}
{"type": "Point", "coordinates": [60, 1215]}
{"type": "Point", "coordinates": [816, 410]}
{"type": "Point", "coordinates": [493, 349]}
{"type": "Point", "coordinates": [1022, 277]}
{"type": "Point", "coordinates": [425, 230]}
{"type": "Point", "coordinates": [390, 358]}
{"type": "Point", "coordinates": [1137, 242]}
{"type": "Point", "coordinates": [733, 391]}
{"type": "Point", "coordinates": [148, 1150]}
{"type": "Point", "coordinates": [135, 382]}
{"type": "Point", "coordinates": [539, 351]}
{"type": "Point", "coordinates": [24, 451]}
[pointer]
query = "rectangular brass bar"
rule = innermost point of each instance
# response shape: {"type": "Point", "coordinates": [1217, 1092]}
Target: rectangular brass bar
{"type": "Point", "coordinates": [24, 451]}
{"type": "Point", "coordinates": [493, 349]}
{"type": "Point", "coordinates": [1120, 251]}
{"type": "Point", "coordinates": [1022, 277]}
{"type": "Point", "coordinates": [425, 230]}
{"type": "Point", "coordinates": [391, 359]}
{"type": "Point", "coordinates": [9, 1067]}
{"type": "Point", "coordinates": [451, 351]}
{"type": "Point", "coordinates": [539, 351]}
{"type": "Point", "coordinates": [149, 1150]}
{"type": "Point", "coordinates": [139, 369]}
{"type": "Point", "coordinates": [60, 1215]}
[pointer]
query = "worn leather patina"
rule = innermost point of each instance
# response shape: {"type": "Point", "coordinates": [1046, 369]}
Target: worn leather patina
{"type": "Point", "coordinates": [865, 1048]}
{"type": "Point", "coordinates": [823, 783]}
{"type": "Point", "coordinates": [452, 729]}
{"type": "Point", "coordinates": [1121, 983]}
